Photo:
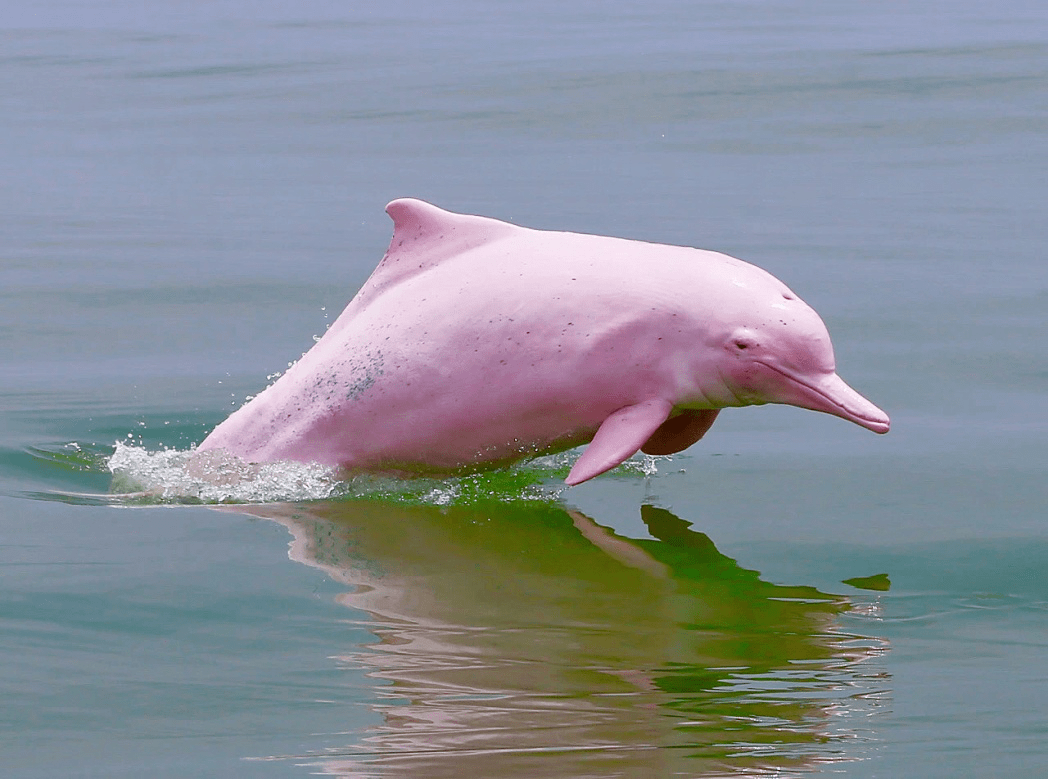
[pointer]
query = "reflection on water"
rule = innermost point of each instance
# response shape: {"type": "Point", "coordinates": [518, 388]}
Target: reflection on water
{"type": "Point", "coordinates": [523, 640]}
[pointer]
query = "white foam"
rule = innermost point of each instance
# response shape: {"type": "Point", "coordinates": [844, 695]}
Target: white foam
{"type": "Point", "coordinates": [184, 476]}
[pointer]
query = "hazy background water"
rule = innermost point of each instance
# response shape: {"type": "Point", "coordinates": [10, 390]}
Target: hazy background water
{"type": "Point", "coordinates": [190, 192]}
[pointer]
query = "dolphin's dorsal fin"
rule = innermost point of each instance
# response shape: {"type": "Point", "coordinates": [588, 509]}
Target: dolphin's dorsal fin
{"type": "Point", "coordinates": [423, 237]}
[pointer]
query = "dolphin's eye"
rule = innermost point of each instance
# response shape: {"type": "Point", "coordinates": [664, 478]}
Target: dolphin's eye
{"type": "Point", "coordinates": [743, 339]}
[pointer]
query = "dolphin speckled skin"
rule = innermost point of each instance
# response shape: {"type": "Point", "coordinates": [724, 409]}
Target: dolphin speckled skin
{"type": "Point", "coordinates": [476, 343]}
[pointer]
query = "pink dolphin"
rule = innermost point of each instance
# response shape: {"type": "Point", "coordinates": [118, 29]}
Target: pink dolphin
{"type": "Point", "coordinates": [475, 343]}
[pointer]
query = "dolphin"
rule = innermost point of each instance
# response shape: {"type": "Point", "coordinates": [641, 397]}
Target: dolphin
{"type": "Point", "coordinates": [476, 343]}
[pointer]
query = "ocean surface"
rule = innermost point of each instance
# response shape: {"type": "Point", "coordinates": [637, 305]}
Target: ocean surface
{"type": "Point", "coordinates": [191, 192]}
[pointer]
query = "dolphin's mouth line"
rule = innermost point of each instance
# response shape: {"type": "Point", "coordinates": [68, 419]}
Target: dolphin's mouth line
{"type": "Point", "coordinates": [822, 394]}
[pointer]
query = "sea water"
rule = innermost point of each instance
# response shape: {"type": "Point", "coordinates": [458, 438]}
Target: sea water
{"type": "Point", "coordinates": [192, 192]}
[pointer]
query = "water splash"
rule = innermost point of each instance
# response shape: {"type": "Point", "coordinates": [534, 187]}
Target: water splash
{"type": "Point", "coordinates": [187, 476]}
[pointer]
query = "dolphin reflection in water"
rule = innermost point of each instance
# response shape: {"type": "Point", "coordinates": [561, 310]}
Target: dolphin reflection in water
{"type": "Point", "coordinates": [527, 640]}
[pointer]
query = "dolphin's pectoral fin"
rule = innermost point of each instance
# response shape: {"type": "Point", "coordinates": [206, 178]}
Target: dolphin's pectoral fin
{"type": "Point", "coordinates": [619, 437]}
{"type": "Point", "coordinates": [678, 433]}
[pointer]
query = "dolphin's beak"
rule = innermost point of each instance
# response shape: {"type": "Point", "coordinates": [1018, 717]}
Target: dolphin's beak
{"type": "Point", "coordinates": [828, 393]}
